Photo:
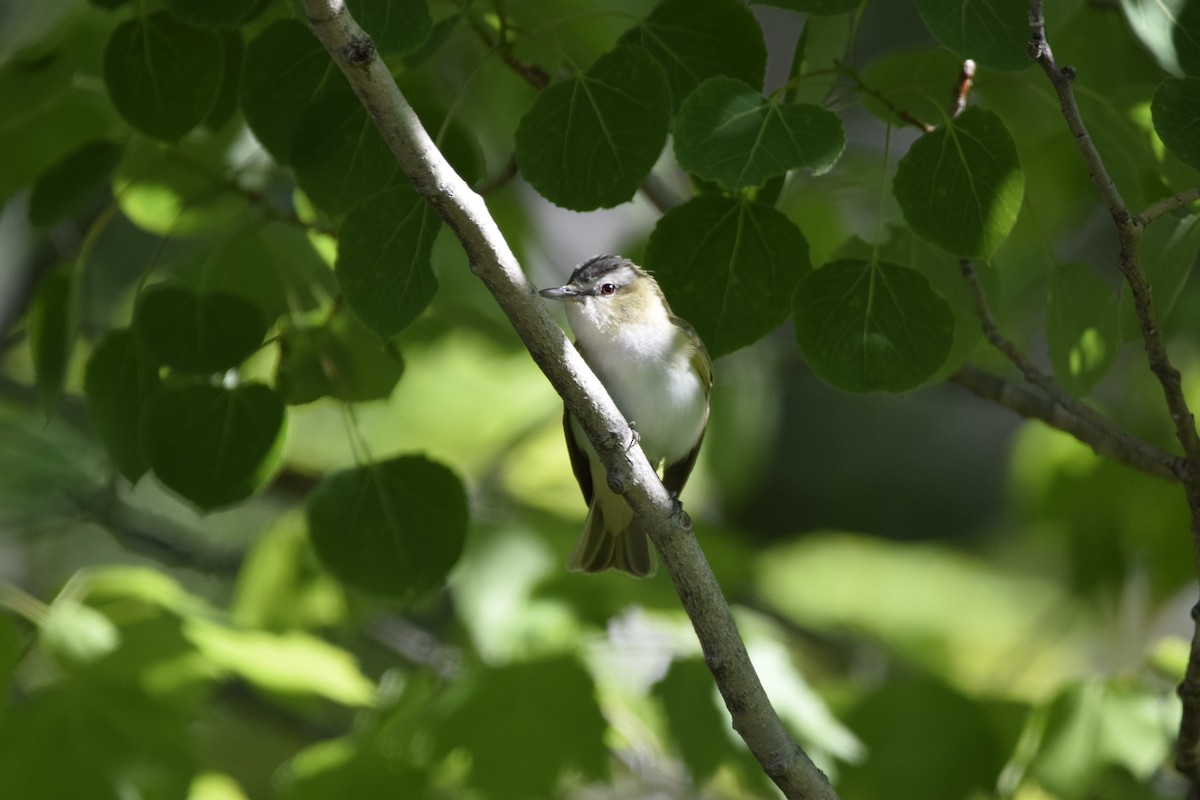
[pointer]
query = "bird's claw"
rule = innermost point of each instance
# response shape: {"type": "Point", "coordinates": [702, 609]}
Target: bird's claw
{"type": "Point", "coordinates": [634, 439]}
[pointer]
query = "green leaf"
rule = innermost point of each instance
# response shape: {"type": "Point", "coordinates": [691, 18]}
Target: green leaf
{"type": "Point", "coordinates": [194, 333]}
{"type": "Point", "coordinates": [162, 74]}
{"type": "Point", "coordinates": [72, 180]}
{"type": "Point", "coordinates": [394, 528]}
{"type": "Point", "coordinates": [866, 326]}
{"type": "Point", "coordinates": [960, 186]}
{"type": "Point", "coordinates": [53, 325]}
{"type": "Point", "coordinates": [699, 729]}
{"type": "Point", "coordinates": [1168, 252]}
{"type": "Point", "coordinates": [273, 99]}
{"type": "Point", "coordinates": [728, 267]}
{"type": "Point", "coordinates": [1081, 327]}
{"type": "Point", "coordinates": [821, 43]}
{"type": "Point", "coordinates": [589, 141]}
{"type": "Point", "coordinates": [337, 153]}
{"type": "Point", "coordinates": [118, 383]}
{"type": "Point", "coordinates": [1154, 22]}
{"type": "Point", "coordinates": [814, 6]}
{"type": "Point", "coordinates": [383, 263]}
{"type": "Point", "coordinates": [340, 358]}
{"type": "Point", "coordinates": [697, 39]}
{"type": "Point", "coordinates": [216, 13]}
{"type": "Point", "coordinates": [211, 445]}
{"type": "Point", "coordinates": [76, 633]}
{"type": "Point", "coordinates": [396, 26]}
{"type": "Point", "coordinates": [728, 133]}
{"type": "Point", "coordinates": [992, 32]}
{"type": "Point", "coordinates": [1176, 114]}
{"type": "Point", "coordinates": [915, 82]}
{"type": "Point", "coordinates": [233, 50]}
{"type": "Point", "coordinates": [335, 769]}
{"type": "Point", "coordinates": [566, 733]}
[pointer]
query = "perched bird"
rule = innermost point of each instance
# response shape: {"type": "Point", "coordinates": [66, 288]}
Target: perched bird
{"type": "Point", "coordinates": [657, 371]}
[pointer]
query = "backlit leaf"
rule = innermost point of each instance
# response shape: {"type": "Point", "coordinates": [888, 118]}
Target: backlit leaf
{"type": "Point", "coordinates": [1081, 327]}
{"type": "Point", "coordinates": [866, 326]}
{"type": "Point", "coordinates": [588, 141]}
{"type": "Point", "coordinates": [211, 445]}
{"type": "Point", "coordinates": [729, 267]}
{"type": "Point", "coordinates": [729, 133]}
{"type": "Point", "coordinates": [394, 528]}
{"type": "Point", "coordinates": [960, 186]}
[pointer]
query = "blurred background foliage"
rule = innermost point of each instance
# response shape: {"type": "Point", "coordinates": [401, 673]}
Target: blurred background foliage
{"type": "Point", "coordinates": [943, 600]}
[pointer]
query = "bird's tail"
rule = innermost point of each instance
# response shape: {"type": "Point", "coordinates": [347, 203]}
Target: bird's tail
{"type": "Point", "coordinates": [599, 548]}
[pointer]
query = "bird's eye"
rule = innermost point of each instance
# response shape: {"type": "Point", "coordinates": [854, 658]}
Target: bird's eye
{"type": "Point", "coordinates": [607, 288]}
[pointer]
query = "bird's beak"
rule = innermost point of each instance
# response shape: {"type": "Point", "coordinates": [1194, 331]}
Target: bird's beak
{"type": "Point", "coordinates": [559, 293]}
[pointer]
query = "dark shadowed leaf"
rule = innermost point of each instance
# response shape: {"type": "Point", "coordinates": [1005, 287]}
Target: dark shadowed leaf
{"type": "Point", "coordinates": [118, 384]}
{"type": "Point", "coordinates": [282, 69]}
{"type": "Point", "coordinates": [865, 326]}
{"type": "Point", "coordinates": [163, 75]}
{"type": "Point", "coordinates": [211, 445]}
{"type": "Point", "coordinates": [233, 50]}
{"type": "Point", "coordinates": [70, 182]}
{"type": "Point", "coordinates": [960, 186]}
{"type": "Point", "coordinates": [396, 26]}
{"type": "Point", "coordinates": [728, 267]}
{"type": "Point", "coordinates": [53, 325]}
{"type": "Point", "coordinates": [729, 133]}
{"type": "Point", "coordinates": [693, 40]}
{"type": "Point", "coordinates": [992, 32]}
{"type": "Point", "coordinates": [1176, 112]}
{"type": "Point", "coordinates": [815, 6]}
{"type": "Point", "coordinates": [1081, 327]}
{"type": "Point", "coordinates": [216, 13]}
{"type": "Point", "coordinates": [339, 358]}
{"type": "Point", "coordinates": [383, 263]}
{"type": "Point", "coordinates": [488, 720]}
{"type": "Point", "coordinates": [394, 528]}
{"type": "Point", "coordinates": [587, 142]}
{"type": "Point", "coordinates": [196, 333]}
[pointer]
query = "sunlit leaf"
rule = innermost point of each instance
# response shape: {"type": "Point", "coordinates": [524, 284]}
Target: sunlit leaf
{"type": "Point", "coordinates": [118, 384]}
{"type": "Point", "coordinates": [1170, 29]}
{"type": "Point", "coordinates": [383, 263]}
{"type": "Point", "coordinates": [394, 528]}
{"type": "Point", "coordinates": [728, 267]}
{"type": "Point", "coordinates": [960, 186]}
{"type": "Point", "coordinates": [211, 445]}
{"type": "Point", "coordinates": [729, 133]}
{"type": "Point", "coordinates": [196, 333]}
{"type": "Point", "coordinates": [70, 182]}
{"type": "Point", "coordinates": [76, 633]}
{"type": "Point", "coordinates": [697, 39]}
{"type": "Point", "coordinates": [867, 326]}
{"type": "Point", "coordinates": [162, 74]}
{"type": "Point", "coordinates": [588, 141]}
{"type": "Point", "coordinates": [1081, 327]}
{"type": "Point", "coordinates": [1176, 110]}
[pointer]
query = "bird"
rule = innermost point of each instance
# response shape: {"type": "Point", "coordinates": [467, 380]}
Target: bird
{"type": "Point", "coordinates": [658, 372]}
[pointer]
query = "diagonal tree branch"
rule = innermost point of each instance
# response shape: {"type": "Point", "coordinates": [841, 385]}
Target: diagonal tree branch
{"type": "Point", "coordinates": [629, 472]}
{"type": "Point", "coordinates": [1129, 231]}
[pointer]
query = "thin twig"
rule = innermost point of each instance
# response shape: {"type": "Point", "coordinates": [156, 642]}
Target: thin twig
{"type": "Point", "coordinates": [900, 113]}
{"type": "Point", "coordinates": [1141, 456]}
{"type": "Point", "coordinates": [962, 88]}
{"type": "Point", "coordinates": [1129, 232]}
{"type": "Point", "coordinates": [1167, 205]}
{"type": "Point", "coordinates": [492, 261]}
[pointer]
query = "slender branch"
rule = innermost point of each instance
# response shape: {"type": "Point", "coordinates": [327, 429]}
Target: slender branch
{"type": "Point", "coordinates": [1140, 456]}
{"type": "Point", "coordinates": [1167, 205]}
{"type": "Point", "coordinates": [629, 472]}
{"type": "Point", "coordinates": [1129, 232]}
{"type": "Point", "coordinates": [962, 88]}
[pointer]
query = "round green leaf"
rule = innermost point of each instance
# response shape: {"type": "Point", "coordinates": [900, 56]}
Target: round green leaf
{"type": "Point", "coordinates": [195, 333]}
{"type": "Point", "coordinates": [697, 39]}
{"type": "Point", "coordinates": [992, 32]}
{"type": "Point", "coordinates": [273, 99]}
{"type": "Point", "coordinates": [393, 528]}
{"type": "Point", "coordinates": [587, 142]}
{"type": "Point", "coordinates": [212, 12]}
{"type": "Point", "coordinates": [162, 74]}
{"type": "Point", "coordinates": [1081, 327]}
{"type": "Point", "coordinates": [383, 263]}
{"type": "Point", "coordinates": [68, 183]}
{"type": "Point", "coordinates": [729, 133]}
{"type": "Point", "coordinates": [340, 359]}
{"type": "Point", "coordinates": [118, 384]}
{"type": "Point", "coordinates": [336, 151]}
{"type": "Point", "coordinates": [211, 445]}
{"type": "Point", "coordinates": [814, 6]}
{"type": "Point", "coordinates": [865, 326]}
{"type": "Point", "coordinates": [960, 186]}
{"type": "Point", "coordinates": [729, 267]}
{"type": "Point", "coordinates": [396, 26]}
{"type": "Point", "coordinates": [1176, 114]}
{"type": "Point", "coordinates": [53, 325]}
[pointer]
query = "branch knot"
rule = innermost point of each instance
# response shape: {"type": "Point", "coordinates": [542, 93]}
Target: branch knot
{"type": "Point", "coordinates": [359, 51]}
